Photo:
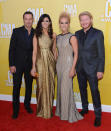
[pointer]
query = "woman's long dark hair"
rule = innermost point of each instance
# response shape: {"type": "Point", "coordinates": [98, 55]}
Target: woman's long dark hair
{"type": "Point", "coordinates": [38, 30]}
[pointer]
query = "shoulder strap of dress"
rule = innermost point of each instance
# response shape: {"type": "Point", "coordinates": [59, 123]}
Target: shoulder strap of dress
{"type": "Point", "coordinates": [71, 37]}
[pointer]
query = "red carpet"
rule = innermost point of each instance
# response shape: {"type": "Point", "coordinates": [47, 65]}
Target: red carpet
{"type": "Point", "coordinates": [29, 122]}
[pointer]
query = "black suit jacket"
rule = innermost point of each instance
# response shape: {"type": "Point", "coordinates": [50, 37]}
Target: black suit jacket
{"type": "Point", "coordinates": [92, 54]}
{"type": "Point", "coordinates": [20, 52]}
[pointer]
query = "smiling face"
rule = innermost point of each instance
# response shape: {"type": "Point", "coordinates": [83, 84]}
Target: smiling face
{"type": "Point", "coordinates": [64, 24]}
{"type": "Point", "coordinates": [85, 21]}
{"type": "Point", "coordinates": [45, 23]}
{"type": "Point", "coordinates": [28, 20]}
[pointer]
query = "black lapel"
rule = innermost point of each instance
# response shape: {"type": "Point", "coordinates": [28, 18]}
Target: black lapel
{"type": "Point", "coordinates": [81, 37]}
{"type": "Point", "coordinates": [89, 36]}
{"type": "Point", "coordinates": [23, 32]}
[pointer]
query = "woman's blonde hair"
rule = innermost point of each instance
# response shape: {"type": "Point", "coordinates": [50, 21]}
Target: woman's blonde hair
{"type": "Point", "coordinates": [86, 13]}
{"type": "Point", "coordinates": [64, 15]}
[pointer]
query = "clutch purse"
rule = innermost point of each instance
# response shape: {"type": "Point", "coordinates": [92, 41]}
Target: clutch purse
{"type": "Point", "coordinates": [36, 75]}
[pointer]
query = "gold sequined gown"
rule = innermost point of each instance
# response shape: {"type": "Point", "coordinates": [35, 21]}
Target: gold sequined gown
{"type": "Point", "coordinates": [45, 81]}
{"type": "Point", "coordinates": [65, 106]}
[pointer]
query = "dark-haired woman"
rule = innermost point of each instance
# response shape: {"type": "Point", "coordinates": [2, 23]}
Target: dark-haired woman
{"type": "Point", "coordinates": [44, 55]}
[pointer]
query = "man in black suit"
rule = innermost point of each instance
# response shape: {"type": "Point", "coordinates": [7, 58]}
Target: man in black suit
{"type": "Point", "coordinates": [90, 66]}
{"type": "Point", "coordinates": [20, 62]}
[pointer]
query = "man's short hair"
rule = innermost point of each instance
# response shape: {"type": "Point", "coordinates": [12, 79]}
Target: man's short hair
{"type": "Point", "coordinates": [85, 13]}
{"type": "Point", "coordinates": [27, 12]}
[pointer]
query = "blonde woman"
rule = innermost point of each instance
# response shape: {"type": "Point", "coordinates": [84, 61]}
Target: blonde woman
{"type": "Point", "coordinates": [67, 58]}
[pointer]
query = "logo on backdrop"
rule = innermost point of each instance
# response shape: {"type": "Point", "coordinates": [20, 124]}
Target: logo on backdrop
{"type": "Point", "coordinates": [37, 13]}
{"type": "Point", "coordinates": [34, 89]}
{"type": "Point", "coordinates": [9, 82]}
{"type": "Point", "coordinates": [71, 9]}
{"type": "Point", "coordinates": [107, 15]}
{"type": "Point", "coordinates": [77, 97]}
{"type": "Point", "coordinates": [6, 30]}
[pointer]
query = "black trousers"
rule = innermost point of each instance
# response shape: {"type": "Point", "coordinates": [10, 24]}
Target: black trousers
{"type": "Point", "coordinates": [17, 80]}
{"type": "Point", "coordinates": [93, 82]}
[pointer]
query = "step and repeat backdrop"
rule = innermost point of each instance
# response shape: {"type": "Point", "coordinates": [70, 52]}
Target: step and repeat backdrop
{"type": "Point", "coordinates": [11, 12]}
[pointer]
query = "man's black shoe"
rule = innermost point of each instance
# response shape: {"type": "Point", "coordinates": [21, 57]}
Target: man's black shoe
{"type": "Point", "coordinates": [83, 112]}
{"type": "Point", "coordinates": [97, 122]}
{"type": "Point", "coordinates": [15, 116]}
{"type": "Point", "coordinates": [29, 110]}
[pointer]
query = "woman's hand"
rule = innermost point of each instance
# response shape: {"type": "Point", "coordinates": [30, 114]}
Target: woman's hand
{"type": "Point", "coordinates": [72, 72]}
{"type": "Point", "coordinates": [33, 71]}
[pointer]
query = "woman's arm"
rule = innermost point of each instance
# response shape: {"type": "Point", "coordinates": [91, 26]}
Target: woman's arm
{"type": "Point", "coordinates": [34, 56]}
{"type": "Point", "coordinates": [54, 46]}
{"type": "Point", "coordinates": [74, 44]}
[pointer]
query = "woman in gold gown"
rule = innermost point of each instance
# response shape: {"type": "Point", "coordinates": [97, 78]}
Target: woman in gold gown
{"type": "Point", "coordinates": [44, 55]}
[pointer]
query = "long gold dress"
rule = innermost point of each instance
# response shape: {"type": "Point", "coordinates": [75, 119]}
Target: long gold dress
{"type": "Point", "coordinates": [45, 81]}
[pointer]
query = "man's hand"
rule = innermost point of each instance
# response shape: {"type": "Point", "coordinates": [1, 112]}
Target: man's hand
{"type": "Point", "coordinates": [12, 69]}
{"type": "Point", "coordinates": [99, 75]}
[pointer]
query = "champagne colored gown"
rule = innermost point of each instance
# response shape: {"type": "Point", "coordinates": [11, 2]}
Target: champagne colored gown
{"type": "Point", "coordinates": [45, 82]}
{"type": "Point", "coordinates": [65, 106]}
